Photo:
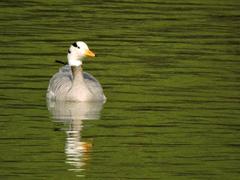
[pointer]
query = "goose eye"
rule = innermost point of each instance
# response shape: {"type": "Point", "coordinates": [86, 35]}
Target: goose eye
{"type": "Point", "coordinates": [78, 47]}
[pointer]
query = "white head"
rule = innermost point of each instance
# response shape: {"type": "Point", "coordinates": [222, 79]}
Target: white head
{"type": "Point", "coordinates": [77, 52]}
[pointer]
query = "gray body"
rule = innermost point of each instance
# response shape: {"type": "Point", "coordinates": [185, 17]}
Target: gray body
{"type": "Point", "coordinates": [72, 84]}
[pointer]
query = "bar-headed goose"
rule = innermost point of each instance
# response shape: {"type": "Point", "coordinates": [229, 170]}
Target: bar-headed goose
{"type": "Point", "coordinates": [71, 83]}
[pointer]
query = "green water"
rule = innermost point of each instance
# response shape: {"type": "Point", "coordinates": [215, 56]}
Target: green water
{"type": "Point", "coordinates": [170, 71]}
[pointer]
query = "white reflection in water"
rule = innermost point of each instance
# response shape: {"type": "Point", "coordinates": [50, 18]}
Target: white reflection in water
{"type": "Point", "coordinates": [77, 151]}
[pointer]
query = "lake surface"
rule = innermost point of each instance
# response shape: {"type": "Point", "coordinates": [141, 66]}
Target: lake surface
{"type": "Point", "coordinates": [170, 71]}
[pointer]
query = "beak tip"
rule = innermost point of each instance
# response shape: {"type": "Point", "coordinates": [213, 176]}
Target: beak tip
{"type": "Point", "coordinates": [90, 53]}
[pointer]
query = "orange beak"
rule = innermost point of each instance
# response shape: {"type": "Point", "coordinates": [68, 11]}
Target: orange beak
{"type": "Point", "coordinates": [89, 53]}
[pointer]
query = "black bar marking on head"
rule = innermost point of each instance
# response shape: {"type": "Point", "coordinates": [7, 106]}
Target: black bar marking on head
{"type": "Point", "coordinates": [75, 44]}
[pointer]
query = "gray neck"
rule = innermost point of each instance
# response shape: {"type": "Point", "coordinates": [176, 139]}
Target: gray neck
{"type": "Point", "coordinates": [79, 89]}
{"type": "Point", "coordinates": [78, 79]}
{"type": "Point", "coordinates": [77, 72]}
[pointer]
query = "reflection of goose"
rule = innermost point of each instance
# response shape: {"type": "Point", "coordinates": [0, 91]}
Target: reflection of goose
{"type": "Point", "coordinates": [73, 113]}
{"type": "Point", "coordinates": [65, 111]}
{"type": "Point", "coordinates": [71, 83]}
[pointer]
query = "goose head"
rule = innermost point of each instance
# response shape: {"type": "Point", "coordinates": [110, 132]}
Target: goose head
{"type": "Point", "coordinates": [77, 51]}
